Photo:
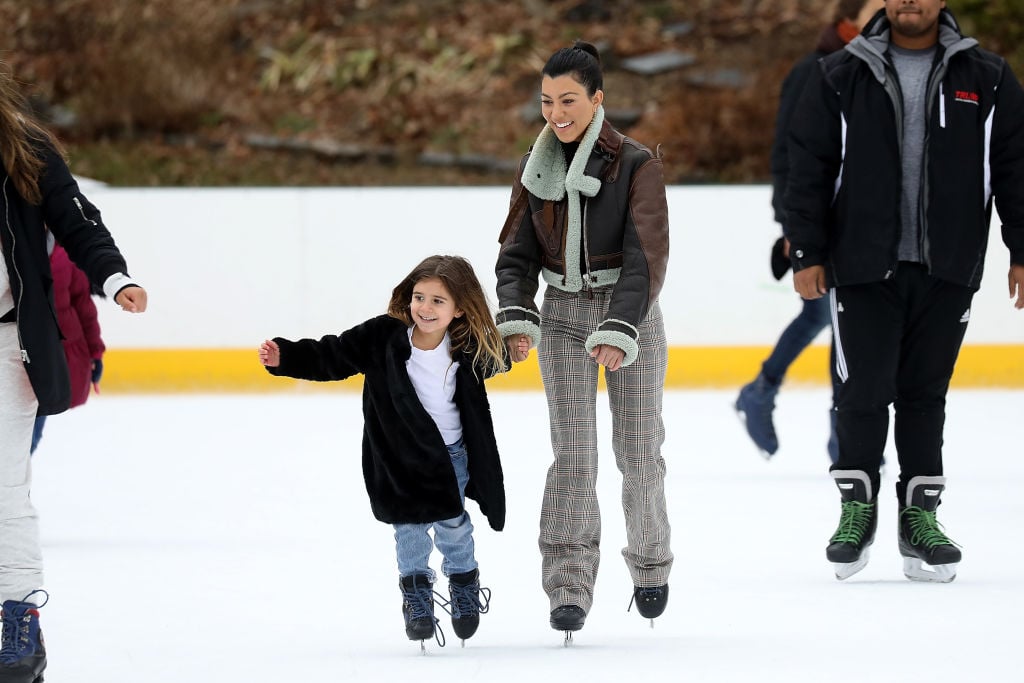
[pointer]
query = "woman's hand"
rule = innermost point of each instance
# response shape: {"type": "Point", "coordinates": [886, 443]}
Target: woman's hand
{"type": "Point", "coordinates": [270, 354]}
{"type": "Point", "coordinates": [518, 346]}
{"type": "Point", "coordinates": [132, 299]}
{"type": "Point", "coordinates": [608, 356]}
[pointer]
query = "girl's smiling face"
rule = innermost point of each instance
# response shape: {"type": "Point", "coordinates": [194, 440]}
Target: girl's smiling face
{"type": "Point", "coordinates": [432, 309]}
{"type": "Point", "coordinates": [566, 106]}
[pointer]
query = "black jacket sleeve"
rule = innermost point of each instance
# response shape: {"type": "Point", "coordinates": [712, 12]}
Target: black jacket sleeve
{"type": "Point", "coordinates": [815, 156]}
{"type": "Point", "coordinates": [1007, 162]}
{"type": "Point", "coordinates": [75, 222]}
{"type": "Point", "coordinates": [330, 358]}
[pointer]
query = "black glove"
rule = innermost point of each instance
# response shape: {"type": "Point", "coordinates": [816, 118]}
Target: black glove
{"type": "Point", "coordinates": [97, 370]}
{"type": "Point", "coordinates": [780, 262]}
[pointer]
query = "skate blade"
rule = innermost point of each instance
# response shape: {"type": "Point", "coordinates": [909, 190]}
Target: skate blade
{"type": "Point", "coordinates": [916, 570]}
{"type": "Point", "coordinates": [568, 639]}
{"type": "Point", "coordinates": [845, 570]}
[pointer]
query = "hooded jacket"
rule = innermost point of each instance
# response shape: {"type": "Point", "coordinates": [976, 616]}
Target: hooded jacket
{"type": "Point", "coordinates": [406, 466]}
{"type": "Point", "coordinates": [843, 199]}
{"type": "Point", "coordinates": [77, 226]}
{"type": "Point", "coordinates": [598, 220]}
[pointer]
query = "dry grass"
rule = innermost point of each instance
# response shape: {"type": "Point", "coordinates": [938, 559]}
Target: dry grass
{"type": "Point", "coordinates": [172, 88]}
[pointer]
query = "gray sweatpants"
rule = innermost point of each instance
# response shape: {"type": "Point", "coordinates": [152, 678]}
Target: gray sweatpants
{"type": "Point", "coordinates": [570, 521]}
{"type": "Point", "coordinates": [21, 561]}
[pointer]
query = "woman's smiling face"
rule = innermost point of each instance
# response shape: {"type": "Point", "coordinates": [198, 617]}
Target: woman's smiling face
{"type": "Point", "coordinates": [566, 106]}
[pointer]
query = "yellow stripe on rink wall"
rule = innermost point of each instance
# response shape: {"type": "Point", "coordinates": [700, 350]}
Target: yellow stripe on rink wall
{"type": "Point", "coordinates": [689, 367]}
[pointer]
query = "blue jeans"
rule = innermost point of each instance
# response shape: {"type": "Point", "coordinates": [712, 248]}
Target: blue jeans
{"type": "Point", "coordinates": [815, 316]}
{"type": "Point", "coordinates": [453, 537]}
{"type": "Point", "coordinates": [812, 319]}
{"type": "Point", "coordinates": [37, 432]}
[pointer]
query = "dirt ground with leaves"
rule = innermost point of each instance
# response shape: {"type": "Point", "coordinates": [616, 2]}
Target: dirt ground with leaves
{"type": "Point", "coordinates": [361, 92]}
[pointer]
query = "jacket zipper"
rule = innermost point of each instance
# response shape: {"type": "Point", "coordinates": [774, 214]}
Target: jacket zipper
{"type": "Point", "coordinates": [922, 201]}
{"type": "Point", "coordinates": [895, 93]}
{"type": "Point", "coordinates": [586, 252]}
{"type": "Point", "coordinates": [17, 273]}
{"type": "Point", "coordinates": [82, 211]}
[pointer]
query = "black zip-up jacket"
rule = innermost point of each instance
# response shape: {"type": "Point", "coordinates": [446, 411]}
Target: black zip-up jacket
{"type": "Point", "coordinates": [77, 226]}
{"type": "Point", "coordinates": [408, 472]}
{"type": "Point", "coordinates": [843, 199]}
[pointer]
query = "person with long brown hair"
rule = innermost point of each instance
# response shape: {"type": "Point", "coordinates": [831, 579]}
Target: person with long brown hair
{"type": "Point", "coordinates": [428, 439]}
{"type": "Point", "coordinates": [41, 205]}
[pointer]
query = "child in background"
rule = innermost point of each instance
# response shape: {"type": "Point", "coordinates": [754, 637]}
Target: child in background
{"type": "Point", "coordinates": [80, 327]}
{"type": "Point", "coordinates": [428, 437]}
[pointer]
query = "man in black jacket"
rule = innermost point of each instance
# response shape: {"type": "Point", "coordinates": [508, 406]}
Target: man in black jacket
{"type": "Point", "coordinates": [897, 148]}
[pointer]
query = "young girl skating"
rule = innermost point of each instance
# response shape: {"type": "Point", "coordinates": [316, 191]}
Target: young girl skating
{"type": "Point", "coordinates": [428, 437]}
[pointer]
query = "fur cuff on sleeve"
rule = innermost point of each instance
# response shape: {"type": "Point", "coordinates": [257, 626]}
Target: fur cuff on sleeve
{"type": "Point", "coordinates": [619, 340]}
{"type": "Point", "coordinates": [511, 327]}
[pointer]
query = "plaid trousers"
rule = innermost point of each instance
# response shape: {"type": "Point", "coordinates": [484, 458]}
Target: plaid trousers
{"type": "Point", "coordinates": [570, 520]}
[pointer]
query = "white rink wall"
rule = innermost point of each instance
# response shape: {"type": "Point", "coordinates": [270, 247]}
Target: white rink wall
{"type": "Point", "coordinates": [226, 268]}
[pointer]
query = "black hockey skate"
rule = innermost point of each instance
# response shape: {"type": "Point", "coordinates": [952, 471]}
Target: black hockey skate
{"type": "Point", "coordinates": [569, 619]}
{"type": "Point", "coordinates": [465, 603]}
{"type": "Point", "coordinates": [418, 609]}
{"type": "Point", "coordinates": [650, 602]}
{"type": "Point", "coordinates": [922, 541]}
{"type": "Point", "coordinates": [22, 652]}
{"type": "Point", "coordinates": [848, 548]}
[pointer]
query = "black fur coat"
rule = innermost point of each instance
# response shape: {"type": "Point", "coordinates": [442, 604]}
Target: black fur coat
{"type": "Point", "coordinates": [408, 472]}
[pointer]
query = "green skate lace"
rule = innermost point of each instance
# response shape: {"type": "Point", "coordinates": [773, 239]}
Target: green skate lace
{"type": "Point", "coordinates": [925, 529]}
{"type": "Point", "coordinates": [854, 521]}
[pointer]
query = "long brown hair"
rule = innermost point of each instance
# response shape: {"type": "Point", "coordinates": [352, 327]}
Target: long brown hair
{"type": "Point", "coordinates": [474, 333]}
{"type": "Point", "coordinates": [20, 135]}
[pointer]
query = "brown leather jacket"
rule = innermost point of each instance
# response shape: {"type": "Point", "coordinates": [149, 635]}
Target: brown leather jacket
{"type": "Point", "coordinates": [624, 244]}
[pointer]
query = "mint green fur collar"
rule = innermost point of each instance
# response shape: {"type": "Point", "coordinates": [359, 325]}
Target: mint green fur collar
{"type": "Point", "coordinates": [546, 177]}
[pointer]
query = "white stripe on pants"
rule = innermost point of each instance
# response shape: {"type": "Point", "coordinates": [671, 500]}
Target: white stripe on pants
{"type": "Point", "coordinates": [21, 561]}
{"type": "Point", "coordinates": [570, 524]}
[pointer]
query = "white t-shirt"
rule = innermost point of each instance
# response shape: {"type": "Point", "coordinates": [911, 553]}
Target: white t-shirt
{"type": "Point", "coordinates": [433, 376]}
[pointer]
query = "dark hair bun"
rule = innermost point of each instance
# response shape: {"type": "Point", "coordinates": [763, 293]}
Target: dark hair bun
{"type": "Point", "coordinates": [588, 48]}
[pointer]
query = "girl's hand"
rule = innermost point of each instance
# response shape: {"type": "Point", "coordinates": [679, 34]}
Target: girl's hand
{"type": "Point", "coordinates": [518, 346]}
{"type": "Point", "coordinates": [132, 299]}
{"type": "Point", "coordinates": [608, 356]}
{"type": "Point", "coordinates": [270, 354]}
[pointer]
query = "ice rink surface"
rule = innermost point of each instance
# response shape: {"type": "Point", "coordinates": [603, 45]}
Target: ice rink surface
{"type": "Point", "coordinates": [224, 538]}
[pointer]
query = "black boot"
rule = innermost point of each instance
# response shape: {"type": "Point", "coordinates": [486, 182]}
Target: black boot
{"type": "Point", "coordinates": [650, 602]}
{"type": "Point", "coordinates": [465, 604]}
{"type": "Point", "coordinates": [921, 538]}
{"type": "Point", "coordinates": [568, 618]}
{"type": "Point", "coordinates": [848, 548]}
{"type": "Point", "coordinates": [23, 652]}
{"type": "Point", "coordinates": [418, 606]}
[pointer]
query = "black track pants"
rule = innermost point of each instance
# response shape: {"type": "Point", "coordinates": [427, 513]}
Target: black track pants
{"type": "Point", "coordinates": [896, 343]}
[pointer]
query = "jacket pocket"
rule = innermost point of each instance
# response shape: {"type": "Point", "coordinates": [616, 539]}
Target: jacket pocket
{"type": "Point", "coordinates": [549, 225]}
